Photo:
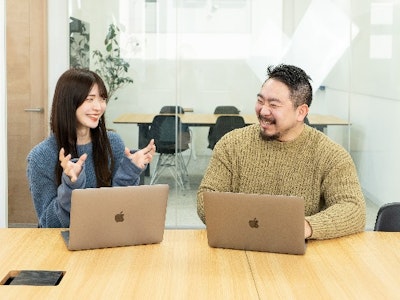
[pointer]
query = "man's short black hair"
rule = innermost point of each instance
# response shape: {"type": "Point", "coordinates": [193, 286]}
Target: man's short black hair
{"type": "Point", "coordinates": [296, 80]}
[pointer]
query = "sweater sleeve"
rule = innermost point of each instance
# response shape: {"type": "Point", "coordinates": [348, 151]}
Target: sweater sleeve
{"type": "Point", "coordinates": [125, 172]}
{"type": "Point", "coordinates": [344, 209]}
{"type": "Point", "coordinates": [52, 203]}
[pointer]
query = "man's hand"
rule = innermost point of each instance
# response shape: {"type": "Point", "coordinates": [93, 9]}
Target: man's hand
{"type": "Point", "coordinates": [307, 229]}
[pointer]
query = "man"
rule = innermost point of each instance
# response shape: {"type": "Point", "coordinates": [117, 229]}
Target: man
{"type": "Point", "coordinates": [281, 155]}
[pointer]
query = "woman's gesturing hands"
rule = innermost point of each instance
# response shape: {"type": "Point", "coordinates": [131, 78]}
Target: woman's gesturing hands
{"type": "Point", "coordinates": [71, 169]}
{"type": "Point", "coordinates": [142, 157]}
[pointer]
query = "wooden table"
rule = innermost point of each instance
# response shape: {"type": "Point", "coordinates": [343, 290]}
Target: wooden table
{"type": "Point", "coordinates": [190, 119]}
{"type": "Point", "coordinates": [183, 266]}
{"type": "Point", "coordinates": [363, 266]}
{"type": "Point", "coordinates": [193, 119]}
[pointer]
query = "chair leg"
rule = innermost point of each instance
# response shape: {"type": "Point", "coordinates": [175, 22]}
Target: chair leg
{"type": "Point", "coordinates": [176, 165]}
{"type": "Point", "coordinates": [164, 161]}
{"type": "Point", "coordinates": [182, 166]}
{"type": "Point", "coordinates": [182, 171]}
{"type": "Point", "coordinates": [176, 170]}
{"type": "Point", "coordinates": [157, 170]}
{"type": "Point", "coordinates": [192, 148]}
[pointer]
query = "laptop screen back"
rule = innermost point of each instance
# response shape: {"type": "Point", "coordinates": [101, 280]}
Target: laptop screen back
{"type": "Point", "coordinates": [255, 222]}
{"type": "Point", "coordinates": [117, 216]}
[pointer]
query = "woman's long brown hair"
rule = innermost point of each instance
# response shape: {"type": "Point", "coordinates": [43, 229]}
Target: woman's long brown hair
{"type": "Point", "coordinates": [71, 91]}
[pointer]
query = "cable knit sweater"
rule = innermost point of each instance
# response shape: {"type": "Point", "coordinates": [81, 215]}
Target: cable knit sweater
{"type": "Point", "coordinates": [53, 203]}
{"type": "Point", "coordinates": [311, 166]}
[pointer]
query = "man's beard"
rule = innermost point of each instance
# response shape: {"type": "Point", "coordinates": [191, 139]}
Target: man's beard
{"type": "Point", "coordinates": [268, 138]}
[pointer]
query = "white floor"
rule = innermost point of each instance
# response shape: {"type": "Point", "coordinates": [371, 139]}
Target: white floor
{"type": "Point", "coordinates": [182, 203]}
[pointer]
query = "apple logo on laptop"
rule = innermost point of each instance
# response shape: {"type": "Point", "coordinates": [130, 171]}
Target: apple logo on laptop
{"type": "Point", "coordinates": [253, 223]}
{"type": "Point", "coordinates": [119, 217]}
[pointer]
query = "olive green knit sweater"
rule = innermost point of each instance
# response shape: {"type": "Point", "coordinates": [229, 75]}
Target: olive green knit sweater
{"type": "Point", "coordinates": [311, 166]}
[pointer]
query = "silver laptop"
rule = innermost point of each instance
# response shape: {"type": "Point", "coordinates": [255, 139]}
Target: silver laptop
{"type": "Point", "coordinates": [116, 216]}
{"type": "Point", "coordinates": [255, 222]}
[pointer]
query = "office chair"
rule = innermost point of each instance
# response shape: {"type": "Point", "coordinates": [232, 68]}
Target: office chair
{"type": "Point", "coordinates": [223, 125]}
{"type": "Point", "coordinates": [171, 139]}
{"type": "Point", "coordinates": [388, 218]}
{"type": "Point", "coordinates": [224, 109]}
{"type": "Point", "coordinates": [172, 109]}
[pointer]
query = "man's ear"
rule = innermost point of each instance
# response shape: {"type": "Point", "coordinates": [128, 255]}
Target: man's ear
{"type": "Point", "coordinates": [302, 112]}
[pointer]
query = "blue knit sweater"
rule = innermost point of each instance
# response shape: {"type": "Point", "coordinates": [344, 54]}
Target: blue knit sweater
{"type": "Point", "coordinates": [52, 202]}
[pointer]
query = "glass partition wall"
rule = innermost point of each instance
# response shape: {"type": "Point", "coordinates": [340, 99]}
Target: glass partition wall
{"type": "Point", "coordinates": [199, 54]}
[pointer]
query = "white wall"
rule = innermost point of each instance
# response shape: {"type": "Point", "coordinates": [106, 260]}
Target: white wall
{"type": "Point", "coordinates": [58, 43]}
{"type": "Point", "coordinates": [3, 122]}
{"type": "Point", "coordinates": [368, 76]}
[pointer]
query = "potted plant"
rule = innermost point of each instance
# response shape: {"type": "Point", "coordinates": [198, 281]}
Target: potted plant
{"type": "Point", "coordinates": [111, 66]}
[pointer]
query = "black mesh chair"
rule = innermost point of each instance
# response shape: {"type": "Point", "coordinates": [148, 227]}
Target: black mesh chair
{"type": "Point", "coordinates": [388, 218]}
{"type": "Point", "coordinates": [171, 139]}
{"type": "Point", "coordinates": [223, 125]}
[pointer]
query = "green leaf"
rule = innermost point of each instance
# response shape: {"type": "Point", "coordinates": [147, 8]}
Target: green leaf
{"type": "Point", "coordinates": [111, 67]}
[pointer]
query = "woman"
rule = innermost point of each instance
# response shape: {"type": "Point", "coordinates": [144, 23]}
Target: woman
{"type": "Point", "coordinates": [80, 152]}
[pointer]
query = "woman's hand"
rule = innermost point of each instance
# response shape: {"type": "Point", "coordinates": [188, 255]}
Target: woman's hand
{"type": "Point", "coordinates": [142, 157]}
{"type": "Point", "coordinates": [71, 169]}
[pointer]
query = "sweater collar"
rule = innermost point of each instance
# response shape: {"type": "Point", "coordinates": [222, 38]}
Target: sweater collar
{"type": "Point", "coordinates": [289, 144]}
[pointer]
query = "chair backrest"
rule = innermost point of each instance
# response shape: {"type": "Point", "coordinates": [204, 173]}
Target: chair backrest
{"type": "Point", "coordinates": [223, 125]}
{"type": "Point", "coordinates": [164, 129]}
{"type": "Point", "coordinates": [172, 109]}
{"type": "Point", "coordinates": [226, 109]}
{"type": "Point", "coordinates": [388, 218]}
